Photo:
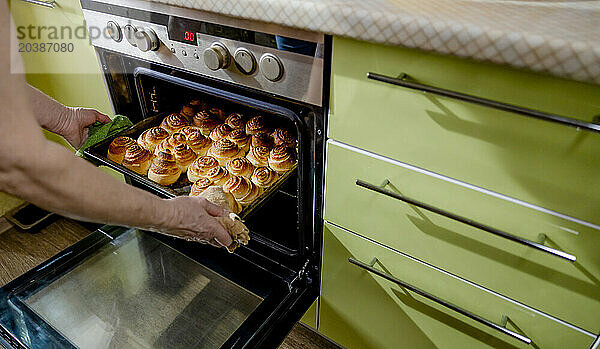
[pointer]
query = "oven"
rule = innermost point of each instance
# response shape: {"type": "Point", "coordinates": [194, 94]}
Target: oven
{"type": "Point", "coordinates": [122, 287]}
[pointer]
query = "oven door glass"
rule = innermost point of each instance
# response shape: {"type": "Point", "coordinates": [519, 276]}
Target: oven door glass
{"type": "Point", "coordinates": [124, 288]}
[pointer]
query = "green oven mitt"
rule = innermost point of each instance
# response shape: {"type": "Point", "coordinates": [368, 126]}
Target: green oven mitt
{"type": "Point", "coordinates": [99, 131]}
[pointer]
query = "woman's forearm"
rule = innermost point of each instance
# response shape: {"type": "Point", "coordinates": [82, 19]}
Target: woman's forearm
{"type": "Point", "coordinates": [49, 113]}
{"type": "Point", "coordinates": [56, 180]}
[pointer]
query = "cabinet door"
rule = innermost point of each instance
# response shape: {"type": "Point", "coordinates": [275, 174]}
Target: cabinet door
{"type": "Point", "coordinates": [362, 310]}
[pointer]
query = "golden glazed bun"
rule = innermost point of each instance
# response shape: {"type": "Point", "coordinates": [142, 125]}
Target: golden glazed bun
{"type": "Point", "coordinates": [282, 158]}
{"type": "Point", "coordinates": [118, 147]}
{"type": "Point", "coordinates": [241, 139]}
{"type": "Point", "coordinates": [152, 137]}
{"type": "Point", "coordinates": [283, 136]}
{"type": "Point", "coordinates": [164, 169]}
{"type": "Point", "coordinates": [235, 121]}
{"type": "Point", "coordinates": [258, 156]}
{"type": "Point", "coordinates": [174, 122]}
{"type": "Point", "coordinates": [264, 177]}
{"type": "Point", "coordinates": [256, 125]}
{"type": "Point", "coordinates": [223, 150]}
{"type": "Point", "coordinates": [218, 175]}
{"type": "Point", "coordinates": [200, 167]}
{"type": "Point", "coordinates": [197, 141]}
{"type": "Point", "coordinates": [170, 142]}
{"type": "Point", "coordinates": [240, 167]}
{"type": "Point", "coordinates": [184, 156]}
{"type": "Point", "coordinates": [219, 197]}
{"type": "Point", "coordinates": [200, 185]}
{"type": "Point", "coordinates": [242, 189]}
{"type": "Point", "coordinates": [205, 122]}
{"type": "Point", "coordinates": [137, 159]}
{"type": "Point", "coordinates": [220, 131]}
{"type": "Point", "coordinates": [262, 139]}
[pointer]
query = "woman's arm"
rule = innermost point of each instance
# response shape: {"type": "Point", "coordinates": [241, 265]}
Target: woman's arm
{"type": "Point", "coordinates": [50, 176]}
{"type": "Point", "coordinates": [70, 122]}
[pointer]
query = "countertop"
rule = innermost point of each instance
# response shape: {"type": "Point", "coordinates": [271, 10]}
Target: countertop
{"type": "Point", "coordinates": [558, 37]}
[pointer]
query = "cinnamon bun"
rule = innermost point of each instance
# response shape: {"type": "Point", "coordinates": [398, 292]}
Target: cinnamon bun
{"type": "Point", "coordinates": [241, 139]}
{"type": "Point", "coordinates": [152, 137]}
{"type": "Point", "coordinates": [235, 121]}
{"type": "Point", "coordinates": [240, 167]}
{"type": "Point", "coordinates": [118, 147]}
{"type": "Point", "coordinates": [223, 150]}
{"type": "Point", "coordinates": [188, 112]}
{"type": "Point", "coordinates": [282, 158]}
{"type": "Point", "coordinates": [218, 175]}
{"type": "Point", "coordinates": [200, 185]}
{"type": "Point", "coordinates": [205, 122]}
{"type": "Point", "coordinates": [256, 125]}
{"type": "Point", "coordinates": [197, 104]}
{"type": "Point", "coordinates": [284, 136]}
{"type": "Point", "coordinates": [184, 156]}
{"type": "Point", "coordinates": [164, 169]}
{"type": "Point", "coordinates": [218, 113]}
{"type": "Point", "coordinates": [137, 159]}
{"type": "Point", "coordinates": [197, 141]}
{"type": "Point", "coordinates": [264, 177]}
{"type": "Point", "coordinates": [170, 142]}
{"type": "Point", "coordinates": [258, 156]}
{"type": "Point", "coordinates": [238, 186]}
{"type": "Point", "coordinates": [220, 131]}
{"type": "Point", "coordinates": [174, 122]}
{"type": "Point", "coordinates": [200, 167]}
{"type": "Point", "coordinates": [262, 139]}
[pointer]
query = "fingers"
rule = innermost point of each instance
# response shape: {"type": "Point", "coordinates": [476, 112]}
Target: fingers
{"type": "Point", "coordinates": [219, 233]}
{"type": "Point", "coordinates": [103, 118]}
{"type": "Point", "coordinates": [214, 210]}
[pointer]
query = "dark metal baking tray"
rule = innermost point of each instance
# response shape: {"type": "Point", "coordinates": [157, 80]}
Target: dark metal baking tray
{"type": "Point", "coordinates": [97, 154]}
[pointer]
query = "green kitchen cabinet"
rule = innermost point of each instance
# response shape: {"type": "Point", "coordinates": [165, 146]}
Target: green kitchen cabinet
{"type": "Point", "coordinates": [540, 162]}
{"type": "Point", "coordinates": [310, 317]}
{"type": "Point", "coordinates": [528, 275]}
{"type": "Point", "coordinates": [362, 310]}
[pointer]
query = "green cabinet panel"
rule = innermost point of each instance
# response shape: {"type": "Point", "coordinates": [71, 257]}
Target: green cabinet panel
{"type": "Point", "coordinates": [547, 164]}
{"type": "Point", "coordinates": [310, 317]}
{"type": "Point", "coordinates": [362, 310]}
{"type": "Point", "coordinates": [73, 78]}
{"type": "Point", "coordinates": [527, 275]}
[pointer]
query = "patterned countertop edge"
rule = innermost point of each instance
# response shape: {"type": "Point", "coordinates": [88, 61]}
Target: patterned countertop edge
{"type": "Point", "coordinates": [558, 39]}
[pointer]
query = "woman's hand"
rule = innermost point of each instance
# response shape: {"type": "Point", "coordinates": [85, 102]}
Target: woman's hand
{"type": "Point", "coordinates": [193, 219]}
{"type": "Point", "coordinates": [74, 124]}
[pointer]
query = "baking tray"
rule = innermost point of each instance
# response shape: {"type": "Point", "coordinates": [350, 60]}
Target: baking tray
{"type": "Point", "coordinates": [97, 154]}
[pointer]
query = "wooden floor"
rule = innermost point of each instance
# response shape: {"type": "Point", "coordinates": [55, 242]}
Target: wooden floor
{"type": "Point", "coordinates": [21, 251]}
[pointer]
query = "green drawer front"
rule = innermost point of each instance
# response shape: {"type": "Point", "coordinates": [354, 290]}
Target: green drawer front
{"type": "Point", "coordinates": [569, 291]}
{"type": "Point", "coordinates": [362, 310]}
{"type": "Point", "coordinates": [544, 163]}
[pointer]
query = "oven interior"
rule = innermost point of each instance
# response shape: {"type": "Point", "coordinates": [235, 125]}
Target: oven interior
{"type": "Point", "coordinates": [282, 227]}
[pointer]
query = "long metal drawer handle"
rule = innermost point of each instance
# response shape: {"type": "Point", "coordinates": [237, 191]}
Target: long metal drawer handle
{"type": "Point", "coordinates": [45, 3]}
{"type": "Point", "coordinates": [470, 222]}
{"type": "Point", "coordinates": [470, 315]}
{"type": "Point", "coordinates": [401, 81]}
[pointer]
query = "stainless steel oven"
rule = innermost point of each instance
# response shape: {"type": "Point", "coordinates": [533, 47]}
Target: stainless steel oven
{"type": "Point", "coordinates": [123, 287]}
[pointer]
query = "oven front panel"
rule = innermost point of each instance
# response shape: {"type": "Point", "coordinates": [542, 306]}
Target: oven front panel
{"type": "Point", "coordinates": [302, 74]}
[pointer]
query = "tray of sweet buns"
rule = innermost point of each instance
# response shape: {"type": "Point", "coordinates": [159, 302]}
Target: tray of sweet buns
{"type": "Point", "coordinates": [186, 152]}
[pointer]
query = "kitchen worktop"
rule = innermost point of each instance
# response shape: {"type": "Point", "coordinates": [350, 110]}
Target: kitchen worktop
{"type": "Point", "coordinates": [552, 36]}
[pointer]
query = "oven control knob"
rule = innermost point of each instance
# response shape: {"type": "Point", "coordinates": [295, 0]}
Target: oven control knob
{"type": "Point", "coordinates": [147, 40]}
{"type": "Point", "coordinates": [271, 67]}
{"type": "Point", "coordinates": [216, 56]}
{"type": "Point", "coordinates": [129, 32]}
{"type": "Point", "coordinates": [114, 31]}
{"type": "Point", "coordinates": [244, 61]}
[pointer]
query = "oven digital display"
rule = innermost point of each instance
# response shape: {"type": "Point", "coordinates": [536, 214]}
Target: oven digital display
{"type": "Point", "coordinates": [183, 30]}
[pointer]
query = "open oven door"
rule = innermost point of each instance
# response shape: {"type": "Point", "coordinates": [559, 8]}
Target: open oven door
{"type": "Point", "coordinates": [125, 288]}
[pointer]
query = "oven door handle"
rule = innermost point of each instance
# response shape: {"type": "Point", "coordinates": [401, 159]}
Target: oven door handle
{"type": "Point", "coordinates": [470, 222]}
{"type": "Point", "coordinates": [563, 120]}
{"type": "Point", "coordinates": [442, 302]}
